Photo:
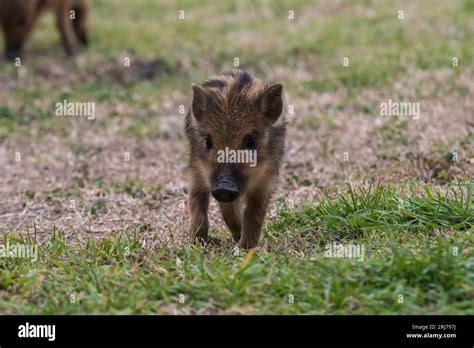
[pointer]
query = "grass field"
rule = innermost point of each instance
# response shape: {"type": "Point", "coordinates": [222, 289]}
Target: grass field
{"type": "Point", "coordinates": [103, 200]}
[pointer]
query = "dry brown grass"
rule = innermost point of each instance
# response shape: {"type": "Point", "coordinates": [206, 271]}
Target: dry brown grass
{"type": "Point", "coordinates": [323, 128]}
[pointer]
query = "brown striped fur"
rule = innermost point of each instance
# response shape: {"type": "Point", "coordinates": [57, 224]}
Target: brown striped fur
{"type": "Point", "coordinates": [227, 111]}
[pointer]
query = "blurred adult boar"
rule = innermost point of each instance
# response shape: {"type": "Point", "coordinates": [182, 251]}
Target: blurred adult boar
{"type": "Point", "coordinates": [19, 17]}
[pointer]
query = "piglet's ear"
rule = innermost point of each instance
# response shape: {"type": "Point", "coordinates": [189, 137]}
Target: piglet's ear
{"type": "Point", "coordinates": [270, 102]}
{"type": "Point", "coordinates": [200, 102]}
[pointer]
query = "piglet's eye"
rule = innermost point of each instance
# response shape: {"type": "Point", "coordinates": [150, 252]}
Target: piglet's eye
{"type": "Point", "coordinates": [250, 142]}
{"type": "Point", "coordinates": [208, 142]}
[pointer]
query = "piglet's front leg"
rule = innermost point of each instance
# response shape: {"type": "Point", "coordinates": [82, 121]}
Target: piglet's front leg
{"type": "Point", "coordinates": [198, 206]}
{"type": "Point", "coordinates": [254, 215]}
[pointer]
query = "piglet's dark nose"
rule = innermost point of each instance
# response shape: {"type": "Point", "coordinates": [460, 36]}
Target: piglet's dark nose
{"type": "Point", "coordinates": [225, 191]}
